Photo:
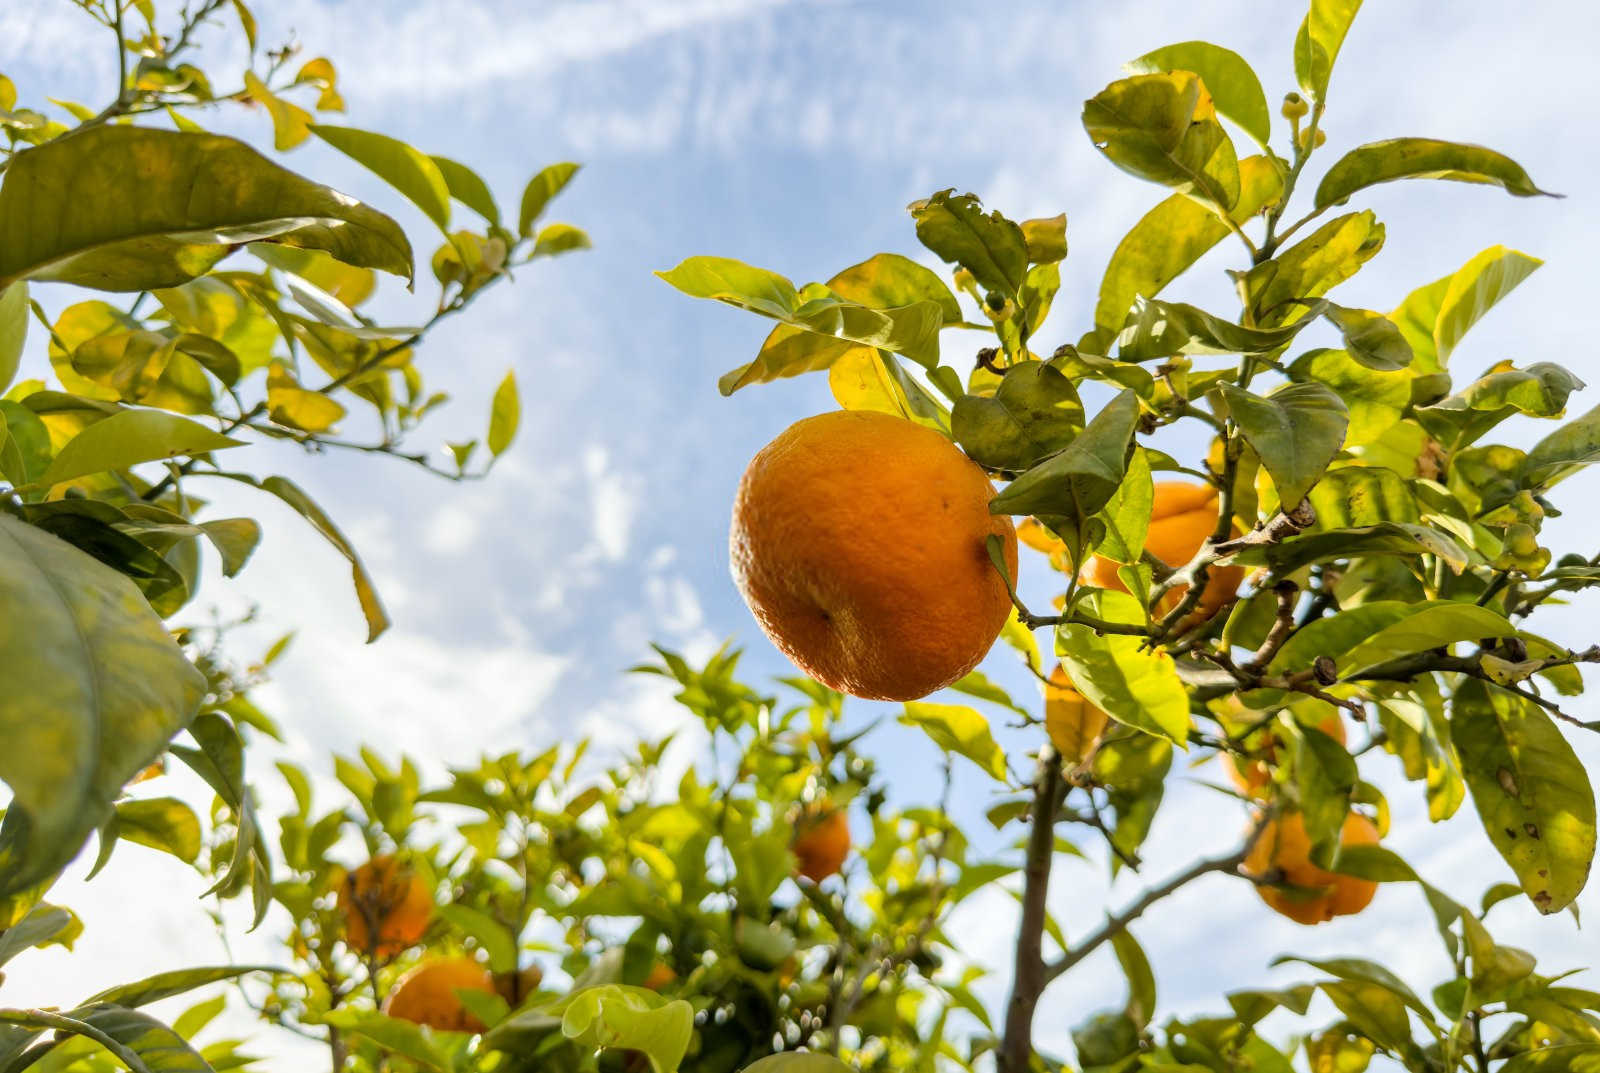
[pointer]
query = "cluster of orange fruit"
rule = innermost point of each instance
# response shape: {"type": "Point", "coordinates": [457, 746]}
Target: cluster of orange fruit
{"type": "Point", "coordinates": [860, 541]}
{"type": "Point", "coordinates": [386, 907]}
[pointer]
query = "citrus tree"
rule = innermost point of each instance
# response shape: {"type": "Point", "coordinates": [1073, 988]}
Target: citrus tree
{"type": "Point", "coordinates": [191, 296]}
{"type": "Point", "coordinates": [1354, 554]}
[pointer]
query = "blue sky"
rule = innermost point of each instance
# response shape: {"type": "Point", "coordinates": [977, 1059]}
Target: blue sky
{"type": "Point", "coordinates": [792, 135]}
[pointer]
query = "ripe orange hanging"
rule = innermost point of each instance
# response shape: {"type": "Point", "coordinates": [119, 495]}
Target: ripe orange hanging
{"type": "Point", "coordinates": [859, 543]}
{"type": "Point", "coordinates": [1182, 516]}
{"type": "Point", "coordinates": [821, 843]}
{"type": "Point", "coordinates": [1317, 895]}
{"type": "Point", "coordinates": [387, 897]}
{"type": "Point", "coordinates": [426, 995]}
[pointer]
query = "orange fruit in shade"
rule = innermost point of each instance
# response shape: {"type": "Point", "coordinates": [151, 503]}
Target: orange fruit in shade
{"type": "Point", "coordinates": [859, 542]}
{"type": "Point", "coordinates": [1253, 776]}
{"type": "Point", "coordinates": [1309, 895]}
{"type": "Point", "coordinates": [386, 906]}
{"type": "Point", "coordinates": [427, 994]}
{"type": "Point", "coordinates": [1182, 516]}
{"type": "Point", "coordinates": [1074, 725]}
{"type": "Point", "coordinates": [659, 976]}
{"type": "Point", "coordinates": [821, 841]}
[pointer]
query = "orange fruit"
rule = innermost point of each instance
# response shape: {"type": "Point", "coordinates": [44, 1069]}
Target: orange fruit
{"type": "Point", "coordinates": [859, 542]}
{"type": "Point", "coordinates": [1181, 518]}
{"type": "Point", "coordinates": [821, 841]}
{"type": "Point", "coordinates": [1256, 775]}
{"type": "Point", "coordinates": [659, 976]}
{"type": "Point", "coordinates": [1285, 848]}
{"type": "Point", "coordinates": [1074, 725]}
{"type": "Point", "coordinates": [426, 995]}
{"type": "Point", "coordinates": [384, 896]}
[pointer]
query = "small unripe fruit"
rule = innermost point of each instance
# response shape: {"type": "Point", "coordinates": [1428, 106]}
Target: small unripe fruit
{"type": "Point", "coordinates": [1295, 106]}
{"type": "Point", "coordinates": [995, 301]}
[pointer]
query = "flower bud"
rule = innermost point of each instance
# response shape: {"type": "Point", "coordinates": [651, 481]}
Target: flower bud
{"type": "Point", "coordinates": [1295, 106]}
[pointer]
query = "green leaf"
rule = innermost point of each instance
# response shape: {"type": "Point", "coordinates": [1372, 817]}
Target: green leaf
{"type": "Point", "coordinates": [307, 508]}
{"type": "Point", "coordinates": [13, 330]}
{"type": "Point", "coordinates": [129, 437]}
{"type": "Point", "coordinates": [1127, 513]}
{"type": "Point", "coordinates": [43, 924]}
{"type": "Point", "coordinates": [1157, 329]}
{"type": "Point", "coordinates": [1325, 774]}
{"type": "Point", "coordinates": [1169, 239]}
{"type": "Point", "coordinates": [96, 688]}
{"type": "Point", "coordinates": [504, 415]}
{"type": "Point", "coordinates": [235, 540]}
{"type": "Point", "coordinates": [1540, 390]}
{"type": "Point", "coordinates": [912, 330]}
{"type": "Point", "coordinates": [1563, 1058]}
{"type": "Point", "coordinates": [888, 280]}
{"type": "Point", "coordinates": [156, 1047]}
{"type": "Point", "coordinates": [1133, 684]}
{"type": "Point", "coordinates": [291, 124]}
{"type": "Point", "coordinates": [468, 187]}
{"type": "Point", "coordinates": [1425, 626]}
{"type": "Point", "coordinates": [1374, 399]}
{"type": "Point", "coordinates": [1034, 413]}
{"type": "Point", "coordinates": [633, 1019]}
{"type": "Point", "coordinates": [555, 239]}
{"type": "Point", "coordinates": [1277, 289]}
{"type": "Point", "coordinates": [1234, 87]}
{"type": "Point", "coordinates": [1371, 338]}
{"type": "Point", "coordinates": [1531, 791]}
{"type": "Point", "coordinates": [410, 171]}
{"type": "Point", "coordinates": [1564, 452]}
{"type": "Point", "coordinates": [116, 208]}
{"type": "Point", "coordinates": [1360, 971]}
{"type": "Point", "coordinates": [1076, 482]}
{"type": "Point", "coordinates": [541, 188]}
{"type": "Point", "coordinates": [1147, 126]}
{"type": "Point", "coordinates": [1435, 317]}
{"type": "Point", "coordinates": [863, 378]}
{"type": "Point", "coordinates": [958, 729]}
{"type": "Point", "coordinates": [1421, 158]}
{"type": "Point", "coordinates": [168, 984]}
{"type": "Point", "coordinates": [1387, 538]}
{"type": "Point", "coordinates": [162, 823]}
{"type": "Point", "coordinates": [1141, 981]}
{"type": "Point", "coordinates": [801, 1062]}
{"type": "Point", "coordinates": [392, 1034]}
{"type": "Point", "coordinates": [1046, 239]}
{"type": "Point", "coordinates": [1316, 44]}
{"type": "Point", "coordinates": [494, 937]}
{"type": "Point", "coordinates": [991, 247]}
{"type": "Point", "coordinates": [1296, 430]}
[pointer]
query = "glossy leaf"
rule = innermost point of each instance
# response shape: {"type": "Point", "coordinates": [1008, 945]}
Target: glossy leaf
{"type": "Point", "coordinates": [408, 170]}
{"type": "Point", "coordinates": [1375, 399]}
{"type": "Point", "coordinates": [307, 508]}
{"type": "Point", "coordinates": [1371, 338]}
{"type": "Point", "coordinates": [632, 1019]}
{"type": "Point", "coordinates": [555, 239]}
{"type": "Point", "coordinates": [137, 208]}
{"type": "Point", "coordinates": [1423, 627]}
{"type": "Point", "coordinates": [1317, 43]}
{"type": "Point", "coordinates": [1046, 239]}
{"type": "Point", "coordinates": [1296, 431]}
{"type": "Point", "coordinates": [1387, 538]}
{"type": "Point", "coordinates": [958, 729]}
{"type": "Point", "coordinates": [505, 414]}
{"type": "Point", "coordinates": [13, 330]}
{"type": "Point", "coordinates": [468, 187]}
{"type": "Point", "coordinates": [1421, 158]}
{"type": "Point", "coordinates": [1127, 513]}
{"type": "Point", "coordinates": [863, 378]}
{"type": "Point", "coordinates": [162, 823]}
{"type": "Point", "coordinates": [888, 280]}
{"type": "Point", "coordinates": [97, 686]}
{"type": "Point", "coordinates": [1540, 390]}
{"type": "Point", "coordinates": [1158, 329]}
{"type": "Point", "coordinates": [1435, 317]}
{"type": "Point", "coordinates": [990, 246]}
{"type": "Point", "coordinates": [1151, 126]}
{"type": "Point", "coordinates": [1034, 413]}
{"type": "Point", "coordinates": [1133, 684]}
{"type": "Point", "coordinates": [392, 1034]}
{"type": "Point", "coordinates": [1076, 482]}
{"type": "Point", "coordinates": [1312, 267]}
{"type": "Point", "coordinates": [291, 124]}
{"type": "Point", "coordinates": [1564, 452]}
{"type": "Point", "coordinates": [549, 182]}
{"type": "Point", "coordinates": [1234, 87]}
{"type": "Point", "coordinates": [1170, 238]}
{"type": "Point", "coordinates": [292, 405]}
{"type": "Point", "coordinates": [1530, 789]}
{"type": "Point", "coordinates": [129, 437]}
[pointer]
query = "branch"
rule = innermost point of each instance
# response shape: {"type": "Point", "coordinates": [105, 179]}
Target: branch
{"type": "Point", "coordinates": [1288, 594]}
{"type": "Point", "coordinates": [1028, 974]}
{"type": "Point", "coordinates": [1115, 925]}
